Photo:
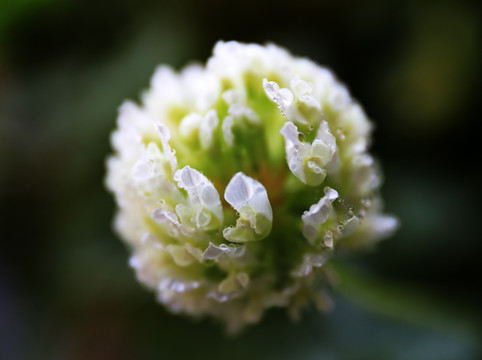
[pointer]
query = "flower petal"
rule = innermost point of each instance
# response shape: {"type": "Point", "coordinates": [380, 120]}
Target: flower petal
{"type": "Point", "coordinates": [318, 214]}
{"type": "Point", "coordinates": [204, 208]}
{"type": "Point", "coordinates": [308, 161]}
{"type": "Point", "coordinates": [250, 199]}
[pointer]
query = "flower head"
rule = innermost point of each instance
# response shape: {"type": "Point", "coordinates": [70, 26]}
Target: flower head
{"type": "Point", "coordinates": [236, 181]}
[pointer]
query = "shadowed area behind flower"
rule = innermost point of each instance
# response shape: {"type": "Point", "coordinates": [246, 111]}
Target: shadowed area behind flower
{"type": "Point", "coordinates": [65, 288]}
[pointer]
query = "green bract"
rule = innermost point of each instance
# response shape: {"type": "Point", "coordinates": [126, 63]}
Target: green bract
{"type": "Point", "coordinates": [236, 181]}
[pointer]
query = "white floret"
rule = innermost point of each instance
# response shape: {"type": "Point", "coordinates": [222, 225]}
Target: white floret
{"type": "Point", "coordinates": [318, 214]}
{"type": "Point", "coordinates": [307, 161]}
{"type": "Point", "coordinates": [204, 208]}
{"type": "Point", "coordinates": [202, 126]}
{"type": "Point", "coordinates": [250, 199]}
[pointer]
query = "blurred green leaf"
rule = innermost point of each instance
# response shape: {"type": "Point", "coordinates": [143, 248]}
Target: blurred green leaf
{"type": "Point", "coordinates": [409, 304]}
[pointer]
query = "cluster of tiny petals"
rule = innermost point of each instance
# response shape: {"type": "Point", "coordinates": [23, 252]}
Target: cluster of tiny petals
{"type": "Point", "coordinates": [211, 171]}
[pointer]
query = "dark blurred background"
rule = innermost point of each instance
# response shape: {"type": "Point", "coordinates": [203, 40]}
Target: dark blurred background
{"type": "Point", "coordinates": [66, 291]}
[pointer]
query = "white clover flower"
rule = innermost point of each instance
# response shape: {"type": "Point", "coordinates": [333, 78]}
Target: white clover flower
{"type": "Point", "coordinates": [283, 143]}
